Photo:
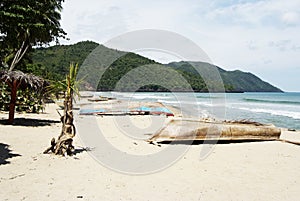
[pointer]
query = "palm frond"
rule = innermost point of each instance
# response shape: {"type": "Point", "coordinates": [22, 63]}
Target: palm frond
{"type": "Point", "coordinates": [24, 80]}
{"type": "Point", "coordinates": [68, 84]}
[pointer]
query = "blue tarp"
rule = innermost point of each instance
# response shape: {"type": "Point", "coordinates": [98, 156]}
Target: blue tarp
{"type": "Point", "coordinates": [91, 111]}
{"type": "Point", "coordinates": [140, 109]}
{"type": "Point", "coordinates": [156, 109]}
{"type": "Point", "coordinates": [162, 109]}
{"type": "Point", "coordinates": [144, 109]}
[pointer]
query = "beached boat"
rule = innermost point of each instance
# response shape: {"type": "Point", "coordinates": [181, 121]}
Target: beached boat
{"type": "Point", "coordinates": [86, 96]}
{"type": "Point", "coordinates": [101, 98]}
{"type": "Point", "coordinates": [188, 129]}
{"type": "Point", "coordinates": [98, 99]}
{"type": "Point", "coordinates": [124, 111]}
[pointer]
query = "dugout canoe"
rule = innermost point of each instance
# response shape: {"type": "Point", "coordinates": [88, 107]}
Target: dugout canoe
{"type": "Point", "coordinates": [187, 129]}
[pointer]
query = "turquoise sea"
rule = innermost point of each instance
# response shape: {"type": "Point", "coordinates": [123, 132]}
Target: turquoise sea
{"type": "Point", "coordinates": [280, 109]}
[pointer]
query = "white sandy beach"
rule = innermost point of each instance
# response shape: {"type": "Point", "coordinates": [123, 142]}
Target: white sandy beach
{"type": "Point", "coordinates": [237, 171]}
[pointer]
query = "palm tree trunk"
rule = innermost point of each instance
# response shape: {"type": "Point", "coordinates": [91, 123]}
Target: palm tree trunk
{"type": "Point", "coordinates": [19, 55]}
{"type": "Point", "coordinates": [12, 104]}
{"type": "Point", "coordinates": [64, 142]}
{"type": "Point", "coordinates": [63, 145]}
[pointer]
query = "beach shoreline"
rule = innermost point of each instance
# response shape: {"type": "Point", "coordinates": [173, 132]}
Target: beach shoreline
{"type": "Point", "coordinates": [234, 171]}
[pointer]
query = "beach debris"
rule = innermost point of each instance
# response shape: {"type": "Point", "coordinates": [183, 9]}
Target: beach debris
{"type": "Point", "coordinates": [17, 176]}
{"type": "Point", "coordinates": [190, 129]}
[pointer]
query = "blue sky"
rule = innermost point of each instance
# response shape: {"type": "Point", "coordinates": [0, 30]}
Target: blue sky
{"type": "Point", "coordinates": [262, 37]}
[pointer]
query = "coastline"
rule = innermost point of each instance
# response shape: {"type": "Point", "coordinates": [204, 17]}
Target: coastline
{"type": "Point", "coordinates": [234, 171]}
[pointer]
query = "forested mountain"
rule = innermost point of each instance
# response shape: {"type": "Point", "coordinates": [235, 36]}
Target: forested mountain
{"type": "Point", "coordinates": [233, 80]}
{"type": "Point", "coordinates": [52, 63]}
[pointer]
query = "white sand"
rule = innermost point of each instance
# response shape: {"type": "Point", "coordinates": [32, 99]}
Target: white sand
{"type": "Point", "coordinates": [244, 171]}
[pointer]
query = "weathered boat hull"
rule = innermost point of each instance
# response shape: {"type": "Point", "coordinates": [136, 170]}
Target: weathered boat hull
{"type": "Point", "coordinates": [204, 130]}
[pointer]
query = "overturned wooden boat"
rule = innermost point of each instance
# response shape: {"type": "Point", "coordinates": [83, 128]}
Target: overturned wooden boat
{"type": "Point", "coordinates": [188, 129]}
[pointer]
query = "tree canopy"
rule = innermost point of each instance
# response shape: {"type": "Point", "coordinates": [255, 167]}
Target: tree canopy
{"type": "Point", "coordinates": [24, 24]}
{"type": "Point", "coordinates": [27, 23]}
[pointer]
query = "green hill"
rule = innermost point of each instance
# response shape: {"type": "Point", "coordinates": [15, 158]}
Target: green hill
{"type": "Point", "coordinates": [132, 72]}
{"type": "Point", "coordinates": [53, 62]}
{"type": "Point", "coordinates": [233, 80]}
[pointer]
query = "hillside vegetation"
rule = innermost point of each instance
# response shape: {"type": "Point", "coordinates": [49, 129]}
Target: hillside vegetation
{"type": "Point", "coordinates": [233, 80]}
{"type": "Point", "coordinates": [132, 72]}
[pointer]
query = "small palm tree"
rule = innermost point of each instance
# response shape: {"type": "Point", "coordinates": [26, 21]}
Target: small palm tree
{"type": "Point", "coordinates": [16, 80]}
{"type": "Point", "coordinates": [63, 145]}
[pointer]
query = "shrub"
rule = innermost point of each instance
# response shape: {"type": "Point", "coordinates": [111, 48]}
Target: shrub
{"type": "Point", "coordinates": [27, 100]}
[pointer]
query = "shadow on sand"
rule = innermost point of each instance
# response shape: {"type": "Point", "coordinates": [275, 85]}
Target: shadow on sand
{"type": "Point", "coordinates": [5, 153]}
{"type": "Point", "coordinates": [29, 122]}
{"type": "Point", "coordinates": [199, 142]}
{"type": "Point", "coordinates": [82, 149]}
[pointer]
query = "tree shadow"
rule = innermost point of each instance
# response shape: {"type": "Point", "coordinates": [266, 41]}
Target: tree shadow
{"type": "Point", "coordinates": [5, 153]}
{"type": "Point", "coordinates": [29, 122]}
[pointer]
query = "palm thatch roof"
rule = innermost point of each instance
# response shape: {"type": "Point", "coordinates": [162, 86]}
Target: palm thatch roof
{"type": "Point", "coordinates": [24, 80]}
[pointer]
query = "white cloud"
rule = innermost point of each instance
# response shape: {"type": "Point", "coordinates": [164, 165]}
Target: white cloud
{"type": "Point", "coordinates": [258, 13]}
{"type": "Point", "coordinates": [92, 20]}
{"type": "Point", "coordinates": [252, 35]}
{"type": "Point", "coordinates": [291, 18]}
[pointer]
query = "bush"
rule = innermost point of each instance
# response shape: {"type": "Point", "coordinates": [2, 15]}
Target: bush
{"type": "Point", "coordinates": [27, 100]}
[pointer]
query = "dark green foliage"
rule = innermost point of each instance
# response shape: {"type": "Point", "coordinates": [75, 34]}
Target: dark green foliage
{"type": "Point", "coordinates": [252, 83]}
{"type": "Point", "coordinates": [27, 23]}
{"type": "Point", "coordinates": [234, 81]}
{"type": "Point", "coordinates": [27, 100]}
{"type": "Point", "coordinates": [119, 68]}
{"type": "Point", "coordinates": [24, 24]}
{"type": "Point", "coordinates": [52, 63]}
{"type": "Point", "coordinates": [4, 98]}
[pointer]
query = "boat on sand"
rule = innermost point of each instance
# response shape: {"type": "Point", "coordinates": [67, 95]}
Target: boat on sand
{"type": "Point", "coordinates": [189, 129]}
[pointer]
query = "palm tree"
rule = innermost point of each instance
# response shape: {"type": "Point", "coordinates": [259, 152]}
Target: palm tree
{"type": "Point", "coordinates": [16, 80]}
{"type": "Point", "coordinates": [64, 145]}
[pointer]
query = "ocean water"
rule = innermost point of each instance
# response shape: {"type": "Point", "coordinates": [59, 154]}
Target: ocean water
{"type": "Point", "coordinates": [280, 109]}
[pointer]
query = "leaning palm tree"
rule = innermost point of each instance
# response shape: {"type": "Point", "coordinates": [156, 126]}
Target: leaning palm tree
{"type": "Point", "coordinates": [63, 145]}
{"type": "Point", "coordinates": [19, 80]}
